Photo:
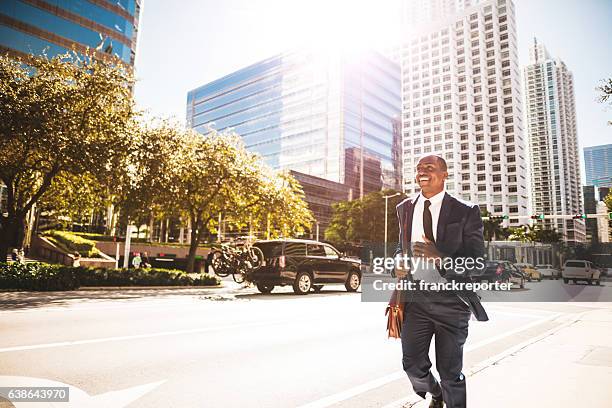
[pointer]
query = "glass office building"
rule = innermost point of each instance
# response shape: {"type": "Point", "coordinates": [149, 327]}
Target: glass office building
{"type": "Point", "coordinates": [57, 26]}
{"type": "Point", "coordinates": [598, 165]}
{"type": "Point", "coordinates": [330, 115]}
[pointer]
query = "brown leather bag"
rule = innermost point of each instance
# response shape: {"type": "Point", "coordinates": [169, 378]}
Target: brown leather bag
{"type": "Point", "coordinates": [395, 315]}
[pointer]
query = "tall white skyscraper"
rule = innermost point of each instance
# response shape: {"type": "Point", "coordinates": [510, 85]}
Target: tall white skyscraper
{"type": "Point", "coordinates": [551, 124]}
{"type": "Point", "coordinates": [461, 98]}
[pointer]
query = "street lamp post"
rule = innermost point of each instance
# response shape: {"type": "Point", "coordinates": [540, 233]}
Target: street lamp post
{"type": "Point", "coordinates": [386, 211]}
{"type": "Point", "coordinates": [126, 249]}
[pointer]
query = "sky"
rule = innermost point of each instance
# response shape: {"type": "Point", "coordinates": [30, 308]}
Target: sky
{"type": "Point", "coordinates": [186, 44]}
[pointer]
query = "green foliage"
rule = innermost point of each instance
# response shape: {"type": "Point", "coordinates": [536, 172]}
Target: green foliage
{"type": "Point", "coordinates": [493, 228]}
{"type": "Point", "coordinates": [47, 277]}
{"type": "Point", "coordinates": [179, 172]}
{"type": "Point", "coordinates": [37, 276]}
{"type": "Point", "coordinates": [74, 243]}
{"type": "Point", "coordinates": [608, 200]}
{"type": "Point", "coordinates": [362, 220]}
{"type": "Point", "coordinates": [60, 119]}
{"type": "Point", "coordinates": [534, 233]}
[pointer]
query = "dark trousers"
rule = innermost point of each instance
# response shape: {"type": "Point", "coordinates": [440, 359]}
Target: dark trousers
{"type": "Point", "coordinates": [446, 317]}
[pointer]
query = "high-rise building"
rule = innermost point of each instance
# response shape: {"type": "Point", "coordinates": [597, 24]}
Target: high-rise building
{"type": "Point", "coordinates": [598, 165]}
{"type": "Point", "coordinates": [551, 123]}
{"type": "Point", "coordinates": [422, 12]}
{"type": "Point", "coordinates": [330, 115]}
{"type": "Point", "coordinates": [54, 27]}
{"type": "Point", "coordinates": [462, 100]}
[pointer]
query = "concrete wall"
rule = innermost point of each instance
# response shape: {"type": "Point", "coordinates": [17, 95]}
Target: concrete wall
{"type": "Point", "coordinates": [152, 249]}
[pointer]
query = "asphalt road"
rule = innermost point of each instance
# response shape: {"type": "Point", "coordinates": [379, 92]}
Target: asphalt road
{"type": "Point", "coordinates": [201, 348]}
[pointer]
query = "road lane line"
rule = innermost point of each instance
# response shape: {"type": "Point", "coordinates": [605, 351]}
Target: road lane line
{"type": "Point", "coordinates": [138, 336]}
{"type": "Point", "coordinates": [351, 392]}
{"type": "Point", "coordinates": [360, 389]}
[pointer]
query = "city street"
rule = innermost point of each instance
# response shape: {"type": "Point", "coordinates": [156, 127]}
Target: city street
{"type": "Point", "coordinates": [237, 348]}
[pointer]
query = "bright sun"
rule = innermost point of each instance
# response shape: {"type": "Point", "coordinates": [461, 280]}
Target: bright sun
{"type": "Point", "coordinates": [352, 25]}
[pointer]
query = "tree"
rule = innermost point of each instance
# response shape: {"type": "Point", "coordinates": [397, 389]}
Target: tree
{"type": "Point", "coordinates": [58, 117]}
{"type": "Point", "coordinates": [522, 233]}
{"type": "Point", "coordinates": [178, 172]}
{"type": "Point", "coordinates": [492, 227]}
{"type": "Point", "coordinates": [608, 201]}
{"type": "Point", "coordinates": [605, 90]}
{"type": "Point", "coordinates": [362, 220]}
{"type": "Point", "coordinates": [535, 233]}
{"type": "Point", "coordinates": [547, 236]}
{"type": "Point", "coordinates": [281, 206]}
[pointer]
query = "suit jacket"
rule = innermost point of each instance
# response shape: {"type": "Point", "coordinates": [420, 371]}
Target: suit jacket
{"type": "Point", "coordinates": [459, 234]}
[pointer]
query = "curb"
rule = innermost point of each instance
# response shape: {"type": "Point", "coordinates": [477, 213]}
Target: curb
{"type": "Point", "coordinates": [92, 288]}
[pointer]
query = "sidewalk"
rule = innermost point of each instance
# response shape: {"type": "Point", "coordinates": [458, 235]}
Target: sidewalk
{"type": "Point", "coordinates": [569, 366]}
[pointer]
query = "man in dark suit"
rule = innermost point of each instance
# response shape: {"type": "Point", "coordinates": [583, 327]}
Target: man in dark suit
{"type": "Point", "coordinates": [437, 226]}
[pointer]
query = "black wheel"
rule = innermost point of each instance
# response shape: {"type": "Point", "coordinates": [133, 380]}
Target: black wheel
{"type": "Point", "coordinates": [317, 288]}
{"type": "Point", "coordinates": [265, 287]}
{"type": "Point", "coordinates": [353, 281]}
{"type": "Point", "coordinates": [303, 283]}
{"type": "Point", "coordinates": [219, 264]}
{"type": "Point", "coordinates": [565, 280]}
{"type": "Point", "coordinates": [523, 284]}
{"type": "Point", "coordinates": [256, 257]}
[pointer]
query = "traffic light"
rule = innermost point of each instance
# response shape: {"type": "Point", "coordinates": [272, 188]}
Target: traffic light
{"type": "Point", "coordinates": [498, 217]}
{"type": "Point", "coordinates": [579, 216]}
{"type": "Point", "coordinates": [537, 217]}
{"type": "Point", "coordinates": [610, 215]}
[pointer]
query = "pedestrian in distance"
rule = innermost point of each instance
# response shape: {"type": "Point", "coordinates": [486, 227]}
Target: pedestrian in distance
{"type": "Point", "coordinates": [146, 262]}
{"type": "Point", "coordinates": [137, 260]}
{"type": "Point", "coordinates": [15, 255]}
{"type": "Point", "coordinates": [76, 261]}
{"type": "Point", "coordinates": [437, 226]}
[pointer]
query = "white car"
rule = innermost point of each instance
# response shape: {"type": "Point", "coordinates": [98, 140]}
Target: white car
{"type": "Point", "coordinates": [579, 270]}
{"type": "Point", "coordinates": [547, 271]}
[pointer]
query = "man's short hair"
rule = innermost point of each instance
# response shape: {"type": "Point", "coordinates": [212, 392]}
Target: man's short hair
{"type": "Point", "coordinates": [439, 158]}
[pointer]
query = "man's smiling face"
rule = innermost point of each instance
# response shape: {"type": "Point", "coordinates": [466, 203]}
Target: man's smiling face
{"type": "Point", "coordinates": [430, 175]}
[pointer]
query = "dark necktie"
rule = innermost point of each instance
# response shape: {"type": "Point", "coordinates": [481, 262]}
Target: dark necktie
{"type": "Point", "coordinates": [427, 221]}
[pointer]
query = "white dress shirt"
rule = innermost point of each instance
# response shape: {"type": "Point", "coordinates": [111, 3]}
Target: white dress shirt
{"type": "Point", "coordinates": [423, 270]}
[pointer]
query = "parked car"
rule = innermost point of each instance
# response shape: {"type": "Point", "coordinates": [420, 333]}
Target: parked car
{"type": "Point", "coordinates": [501, 271]}
{"type": "Point", "coordinates": [547, 271]}
{"type": "Point", "coordinates": [530, 271]}
{"type": "Point", "coordinates": [580, 270]}
{"type": "Point", "coordinates": [305, 265]}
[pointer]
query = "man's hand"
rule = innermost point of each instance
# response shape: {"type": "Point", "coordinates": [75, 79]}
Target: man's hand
{"type": "Point", "coordinates": [426, 249]}
{"type": "Point", "coordinates": [401, 272]}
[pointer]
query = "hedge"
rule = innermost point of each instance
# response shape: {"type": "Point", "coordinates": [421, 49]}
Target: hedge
{"type": "Point", "coordinates": [46, 277]}
{"type": "Point", "coordinates": [74, 243]}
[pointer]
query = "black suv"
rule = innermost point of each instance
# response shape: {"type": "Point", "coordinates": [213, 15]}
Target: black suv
{"type": "Point", "coordinates": [304, 264]}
